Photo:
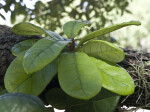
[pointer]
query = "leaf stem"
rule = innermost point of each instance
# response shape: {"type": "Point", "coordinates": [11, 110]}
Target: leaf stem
{"type": "Point", "coordinates": [72, 45]}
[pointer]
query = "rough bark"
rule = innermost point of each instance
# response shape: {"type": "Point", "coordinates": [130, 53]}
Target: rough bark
{"type": "Point", "coordinates": [7, 40]}
{"type": "Point", "coordinates": [138, 66]}
{"type": "Point", "coordinates": [135, 62]}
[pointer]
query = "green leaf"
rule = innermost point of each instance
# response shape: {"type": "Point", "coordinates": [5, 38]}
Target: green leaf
{"type": "Point", "coordinates": [13, 17]}
{"type": "Point", "coordinates": [78, 75]}
{"type": "Point", "coordinates": [3, 92]}
{"type": "Point", "coordinates": [57, 98]}
{"type": "Point", "coordinates": [106, 30]}
{"type": "Point", "coordinates": [23, 46]}
{"type": "Point", "coordinates": [62, 101]}
{"type": "Point", "coordinates": [72, 28]}
{"type": "Point", "coordinates": [17, 80]}
{"type": "Point", "coordinates": [49, 109]}
{"type": "Point", "coordinates": [105, 101]}
{"type": "Point", "coordinates": [1, 88]}
{"type": "Point", "coordinates": [115, 78]}
{"type": "Point", "coordinates": [42, 53]}
{"type": "Point", "coordinates": [54, 35]}
{"type": "Point", "coordinates": [103, 50]}
{"type": "Point", "coordinates": [25, 28]}
{"type": "Point", "coordinates": [21, 103]}
{"type": "Point", "coordinates": [105, 105]}
{"type": "Point", "coordinates": [3, 17]}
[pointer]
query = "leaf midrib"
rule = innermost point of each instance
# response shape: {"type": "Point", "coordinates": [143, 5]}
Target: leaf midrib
{"type": "Point", "coordinates": [76, 67]}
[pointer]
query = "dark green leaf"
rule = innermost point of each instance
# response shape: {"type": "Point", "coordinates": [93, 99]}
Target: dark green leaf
{"type": "Point", "coordinates": [57, 98]}
{"type": "Point", "coordinates": [42, 53]}
{"type": "Point", "coordinates": [22, 46]}
{"type": "Point", "coordinates": [106, 30]}
{"type": "Point", "coordinates": [115, 78]}
{"type": "Point", "coordinates": [2, 16]}
{"type": "Point", "coordinates": [50, 109]}
{"type": "Point", "coordinates": [17, 80]}
{"type": "Point", "coordinates": [103, 50]}
{"type": "Point", "coordinates": [104, 105]}
{"type": "Point", "coordinates": [78, 75]}
{"type": "Point", "coordinates": [21, 103]}
{"type": "Point", "coordinates": [105, 101]}
{"type": "Point", "coordinates": [13, 17]}
{"type": "Point", "coordinates": [62, 101]}
{"type": "Point", "coordinates": [3, 92]}
{"type": "Point", "coordinates": [72, 28]}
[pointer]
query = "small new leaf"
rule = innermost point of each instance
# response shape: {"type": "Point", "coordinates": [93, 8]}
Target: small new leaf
{"type": "Point", "coordinates": [72, 28]}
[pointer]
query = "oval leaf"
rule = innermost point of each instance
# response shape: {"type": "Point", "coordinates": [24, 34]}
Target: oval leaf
{"type": "Point", "coordinates": [106, 30]}
{"type": "Point", "coordinates": [105, 105]}
{"type": "Point", "coordinates": [17, 80]}
{"type": "Point", "coordinates": [103, 50]}
{"type": "Point", "coordinates": [25, 28]}
{"type": "Point", "coordinates": [115, 78]}
{"type": "Point", "coordinates": [42, 53]}
{"type": "Point", "coordinates": [72, 28]}
{"type": "Point", "coordinates": [58, 102]}
{"type": "Point", "coordinates": [105, 101]}
{"type": "Point", "coordinates": [23, 46]}
{"type": "Point", "coordinates": [21, 103]}
{"type": "Point", "coordinates": [78, 75]}
{"type": "Point", "coordinates": [62, 101]}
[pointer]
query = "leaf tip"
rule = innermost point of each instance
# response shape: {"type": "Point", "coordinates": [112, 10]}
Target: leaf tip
{"type": "Point", "coordinates": [137, 23]}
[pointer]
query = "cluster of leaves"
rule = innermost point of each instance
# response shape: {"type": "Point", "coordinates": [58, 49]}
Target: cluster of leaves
{"type": "Point", "coordinates": [52, 12]}
{"type": "Point", "coordinates": [85, 69]}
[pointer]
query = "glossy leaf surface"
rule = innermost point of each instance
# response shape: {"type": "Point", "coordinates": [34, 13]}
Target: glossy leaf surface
{"type": "Point", "coordinates": [22, 46]}
{"type": "Point", "coordinates": [72, 28]}
{"type": "Point", "coordinates": [21, 103]}
{"type": "Point", "coordinates": [25, 28]}
{"type": "Point", "coordinates": [17, 80]}
{"type": "Point", "coordinates": [106, 30]}
{"type": "Point", "coordinates": [54, 35]}
{"type": "Point", "coordinates": [42, 53]}
{"type": "Point", "coordinates": [103, 50]}
{"type": "Point", "coordinates": [105, 101]}
{"type": "Point", "coordinates": [115, 78]}
{"type": "Point", "coordinates": [78, 75]}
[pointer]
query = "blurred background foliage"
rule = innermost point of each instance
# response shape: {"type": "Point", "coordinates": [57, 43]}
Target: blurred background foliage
{"type": "Point", "coordinates": [52, 14]}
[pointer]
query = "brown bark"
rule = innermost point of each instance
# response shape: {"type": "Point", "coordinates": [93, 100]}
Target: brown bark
{"type": "Point", "coordinates": [135, 63]}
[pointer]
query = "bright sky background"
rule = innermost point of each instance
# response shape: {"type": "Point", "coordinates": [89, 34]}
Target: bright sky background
{"type": "Point", "coordinates": [31, 5]}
